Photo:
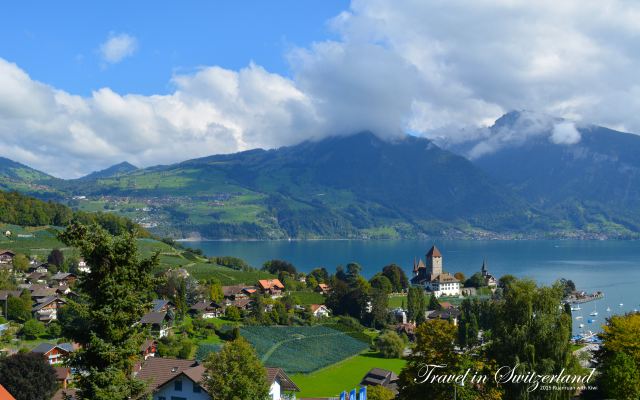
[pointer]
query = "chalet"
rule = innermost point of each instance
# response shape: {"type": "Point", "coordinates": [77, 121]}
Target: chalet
{"type": "Point", "coordinates": [39, 292]}
{"type": "Point", "coordinates": [83, 267]}
{"type": "Point", "coordinates": [41, 268]}
{"type": "Point", "coordinates": [6, 256]}
{"type": "Point", "coordinates": [46, 310]}
{"type": "Point", "coordinates": [148, 348]}
{"type": "Point", "coordinates": [432, 277]}
{"type": "Point", "coordinates": [320, 310]}
{"type": "Point", "coordinates": [237, 292]}
{"type": "Point", "coordinates": [159, 305]}
{"type": "Point", "coordinates": [63, 376]}
{"type": "Point", "coordinates": [37, 277]}
{"type": "Point", "coordinates": [170, 378]}
{"type": "Point", "coordinates": [323, 288]}
{"type": "Point", "coordinates": [207, 309]}
{"type": "Point", "coordinates": [381, 377]}
{"type": "Point", "coordinates": [160, 323]}
{"type": "Point", "coordinates": [64, 278]}
{"type": "Point", "coordinates": [451, 314]}
{"type": "Point", "coordinates": [54, 353]}
{"type": "Point", "coordinates": [272, 287]}
{"type": "Point", "coordinates": [242, 304]}
{"type": "Point", "coordinates": [5, 395]}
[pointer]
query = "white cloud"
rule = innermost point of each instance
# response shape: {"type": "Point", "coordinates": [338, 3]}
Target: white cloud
{"type": "Point", "coordinates": [565, 133]}
{"type": "Point", "coordinates": [117, 47]}
{"type": "Point", "coordinates": [439, 69]}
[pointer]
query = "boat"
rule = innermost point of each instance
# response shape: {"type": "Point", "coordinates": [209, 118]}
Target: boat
{"type": "Point", "coordinates": [608, 309]}
{"type": "Point", "coordinates": [621, 304]}
{"type": "Point", "coordinates": [594, 313]}
{"type": "Point", "coordinates": [581, 325]}
{"type": "Point", "coordinates": [579, 317]}
{"type": "Point", "coordinates": [591, 321]}
{"type": "Point", "coordinates": [576, 308]}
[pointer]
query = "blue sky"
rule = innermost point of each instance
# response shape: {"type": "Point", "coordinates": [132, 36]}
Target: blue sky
{"type": "Point", "coordinates": [58, 42]}
{"type": "Point", "coordinates": [85, 85]}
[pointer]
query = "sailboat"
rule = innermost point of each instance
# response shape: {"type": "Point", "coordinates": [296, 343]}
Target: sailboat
{"type": "Point", "coordinates": [578, 317]}
{"type": "Point", "coordinates": [608, 309]}
{"type": "Point", "coordinates": [595, 311]}
{"type": "Point", "coordinates": [621, 304]}
{"type": "Point", "coordinates": [576, 308]}
{"type": "Point", "coordinates": [581, 325]}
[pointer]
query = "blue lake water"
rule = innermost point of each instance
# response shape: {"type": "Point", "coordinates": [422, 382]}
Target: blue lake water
{"type": "Point", "coordinates": [609, 266]}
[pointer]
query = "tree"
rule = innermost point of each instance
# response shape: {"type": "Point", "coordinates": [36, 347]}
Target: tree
{"type": "Point", "coordinates": [215, 291]}
{"type": "Point", "coordinates": [28, 376]}
{"type": "Point", "coordinates": [56, 258]}
{"type": "Point", "coordinates": [434, 304]}
{"type": "Point", "coordinates": [19, 308]}
{"type": "Point", "coordinates": [232, 313]}
{"type": "Point", "coordinates": [236, 373]}
{"type": "Point", "coordinates": [390, 345]}
{"type": "Point", "coordinates": [320, 274]}
{"type": "Point", "coordinates": [379, 307]}
{"type": "Point", "coordinates": [379, 392]}
{"type": "Point", "coordinates": [7, 281]}
{"type": "Point", "coordinates": [459, 276]}
{"type": "Point", "coordinates": [33, 329]}
{"type": "Point", "coordinates": [620, 378]}
{"type": "Point", "coordinates": [416, 306]}
{"type": "Point", "coordinates": [275, 266]}
{"type": "Point", "coordinates": [476, 280]}
{"type": "Point", "coordinates": [435, 344]}
{"type": "Point", "coordinates": [396, 276]}
{"type": "Point", "coordinates": [103, 318]}
{"type": "Point", "coordinates": [20, 263]}
{"type": "Point", "coordinates": [381, 282]}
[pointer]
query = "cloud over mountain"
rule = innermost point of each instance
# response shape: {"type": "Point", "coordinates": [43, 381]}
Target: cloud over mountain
{"type": "Point", "coordinates": [430, 68]}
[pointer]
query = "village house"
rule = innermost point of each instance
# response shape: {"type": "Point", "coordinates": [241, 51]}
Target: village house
{"type": "Point", "coordinates": [6, 256]}
{"type": "Point", "coordinates": [41, 268]}
{"type": "Point", "coordinates": [148, 348]}
{"type": "Point", "coordinates": [159, 305]}
{"type": "Point", "coordinates": [46, 310]}
{"type": "Point", "coordinates": [450, 314]}
{"type": "Point", "coordinates": [171, 378]}
{"type": "Point", "coordinates": [235, 292]}
{"type": "Point", "coordinates": [323, 288]}
{"type": "Point", "coordinates": [54, 353]}
{"type": "Point", "coordinates": [63, 376]}
{"type": "Point", "coordinates": [320, 310]}
{"type": "Point", "coordinates": [207, 309]}
{"type": "Point", "coordinates": [432, 277]}
{"type": "Point", "coordinates": [381, 377]}
{"type": "Point", "coordinates": [37, 277]}
{"type": "Point", "coordinates": [159, 323]}
{"type": "Point", "coordinates": [64, 278]}
{"type": "Point", "coordinates": [272, 287]}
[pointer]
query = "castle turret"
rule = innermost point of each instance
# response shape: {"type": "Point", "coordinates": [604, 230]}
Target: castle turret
{"type": "Point", "coordinates": [434, 261]}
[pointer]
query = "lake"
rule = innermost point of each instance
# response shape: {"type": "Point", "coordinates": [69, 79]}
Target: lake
{"type": "Point", "coordinates": [610, 266]}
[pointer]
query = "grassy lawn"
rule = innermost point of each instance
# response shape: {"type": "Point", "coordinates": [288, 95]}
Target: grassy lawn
{"type": "Point", "coordinates": [345, 375]}
{"type": "Point", "coordinates": [309, 297]}
{"type": "Point", "coordinates": [396, 300]}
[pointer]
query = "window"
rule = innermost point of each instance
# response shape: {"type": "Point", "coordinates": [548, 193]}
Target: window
{"type": "Point", "coordinates": [177, 385]}
{"type": "Point", "coordinates": [196, 388]}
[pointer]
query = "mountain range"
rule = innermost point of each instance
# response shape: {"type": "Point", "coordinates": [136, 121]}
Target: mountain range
{"type": "Point", "coordinates": [526, 176]}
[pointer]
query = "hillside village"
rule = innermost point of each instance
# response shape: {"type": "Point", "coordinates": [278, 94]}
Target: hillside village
{"type": "Point", "coordinates": [182, 325]}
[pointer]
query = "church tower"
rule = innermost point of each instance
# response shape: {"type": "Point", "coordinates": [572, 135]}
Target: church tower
{"type": "Point", "coordinates": [434, 261]}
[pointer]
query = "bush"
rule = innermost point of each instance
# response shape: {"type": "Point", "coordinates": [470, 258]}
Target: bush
{"type": "Point", "coordinates": [379, 393]}
{"type": "Point", "coordinates": [390, 345]}
{"type": "Point", "coordinates": [233, 313]}
{"type": "Point", "coordinates": [33, 329]}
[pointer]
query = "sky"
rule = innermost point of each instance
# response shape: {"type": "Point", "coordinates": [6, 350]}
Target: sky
{"type": "Point", "coordinates": [85, 85]}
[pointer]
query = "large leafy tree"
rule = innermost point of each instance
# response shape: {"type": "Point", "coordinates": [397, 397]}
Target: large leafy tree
{"type": "Point", "coordinates": [619, 358]}
{"type": "Point", "coordinates": [28, 377]}
{"type": "Point", "coordinates": [19, 308]}
{"type": "Point", "coordinates": [236, 373]}
{"type": "Point", "coordinates": [532, 331]}
{"type": "Point", "coordinates": [416, 304]}
{"type": "Point", "coordinates": [112, 299]}
{"type": "Point", "coordinates": [396, 276]}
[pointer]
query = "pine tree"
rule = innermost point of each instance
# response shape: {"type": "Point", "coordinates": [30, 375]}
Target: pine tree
{"type": "Point", "coordinates": [112, 299]}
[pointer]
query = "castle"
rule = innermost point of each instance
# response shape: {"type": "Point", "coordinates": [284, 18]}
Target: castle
{"type": "Point", "coordinates": [432, 277]}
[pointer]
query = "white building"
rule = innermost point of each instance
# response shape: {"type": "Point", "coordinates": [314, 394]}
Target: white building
{"type": "Point", "coordinates": [432, 277]}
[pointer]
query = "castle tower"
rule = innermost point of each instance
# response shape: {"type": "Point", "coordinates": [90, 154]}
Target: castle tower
{"type": "Point", "coordinates": [434, 261]}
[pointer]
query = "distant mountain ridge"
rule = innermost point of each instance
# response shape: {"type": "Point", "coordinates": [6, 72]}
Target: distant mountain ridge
{"type": "Point", "coordinates": [112, 171]}
{"type": "Point", "coordinates": [531, 184]}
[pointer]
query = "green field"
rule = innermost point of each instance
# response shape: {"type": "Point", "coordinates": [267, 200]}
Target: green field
{"type": "Point", "coordinates": [345, 375]}
{"type": "Point", "coordinates": [308, 297]}
{"type": "Point", "coordinates": [301, 349]}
